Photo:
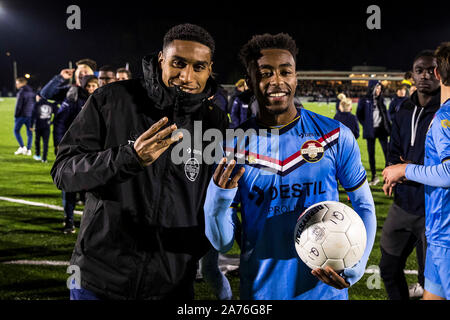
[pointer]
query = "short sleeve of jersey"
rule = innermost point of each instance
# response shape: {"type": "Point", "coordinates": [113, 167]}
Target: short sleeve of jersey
{"type": "Point", "coordinates": [440, 131]}
{"type": "Point", "coordinates": [350, 171]}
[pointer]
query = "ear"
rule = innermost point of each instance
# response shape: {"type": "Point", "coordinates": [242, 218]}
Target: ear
{"type": "Point", "coordinates": [436, 74]}
{"type": "Point", "coordinates": [210, 68]}
{"type": "Point", "coordinates": [160, 58]}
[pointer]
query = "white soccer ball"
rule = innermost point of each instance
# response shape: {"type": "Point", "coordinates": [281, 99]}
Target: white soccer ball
{"type": "Point", "coordinates": [330, 233]}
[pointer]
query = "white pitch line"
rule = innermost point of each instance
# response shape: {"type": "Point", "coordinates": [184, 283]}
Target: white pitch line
{"type": "Point", "coordinates": [38, 204]}
{"type": "Point", "coordinates": [37, 262]}
{"type": "Point", "coordinates": [223, 267]}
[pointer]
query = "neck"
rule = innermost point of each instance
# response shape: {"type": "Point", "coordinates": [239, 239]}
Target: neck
{"type": "Point", "coordinates": [424, 99]}
{"type": "Point", "coordinates": [271, 119]}
{"type": "Point", "coordinates": [445, 93]}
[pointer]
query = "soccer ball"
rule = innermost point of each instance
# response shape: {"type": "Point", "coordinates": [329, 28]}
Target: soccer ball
{"type": "Point", "coordinates": [330, 233]}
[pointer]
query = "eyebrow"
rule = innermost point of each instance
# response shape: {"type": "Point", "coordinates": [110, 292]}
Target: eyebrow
{"type": "Point", "coordinates": [268, 66]}
{"type": "Point", "coordinates": [186, 60]}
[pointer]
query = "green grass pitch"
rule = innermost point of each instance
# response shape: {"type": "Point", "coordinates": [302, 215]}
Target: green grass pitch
{"type": "Point", "coordinates": [35, 233]}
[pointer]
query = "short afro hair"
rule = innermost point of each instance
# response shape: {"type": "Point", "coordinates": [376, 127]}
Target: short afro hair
{"type": "Point", "coordinates": [189, 32]}
{"type": "Point", "coordinates": [424, 53]}
{"type": "Point", "coordinates": [251, 51]}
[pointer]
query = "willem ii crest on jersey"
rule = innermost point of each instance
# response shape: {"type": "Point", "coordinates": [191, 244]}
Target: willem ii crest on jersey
{"type": "Point", "coordinates": [192, 169]}
{"type": "Point", "coordinates": [312, 151]}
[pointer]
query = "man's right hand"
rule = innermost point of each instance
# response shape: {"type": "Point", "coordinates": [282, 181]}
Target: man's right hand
{"type": "Point", "coordinates": [66, 73]}
{"type": "Point", "coordinates": [151, 144]}
{"type": "Point", "coordinates": [222, 178]}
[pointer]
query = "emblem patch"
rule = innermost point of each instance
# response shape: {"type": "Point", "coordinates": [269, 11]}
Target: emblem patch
{"type": "Point", "coordinates": [191, 169]}
{"type": "Point", "coordinates": [312, 151]}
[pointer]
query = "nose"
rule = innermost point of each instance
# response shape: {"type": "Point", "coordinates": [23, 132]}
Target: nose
{"type": "Point", "coordinates": [275, 80]}
{"type": "Point", "coordinates": [186, 75]}
{"type": "Point", "coordinates": [426, 74]}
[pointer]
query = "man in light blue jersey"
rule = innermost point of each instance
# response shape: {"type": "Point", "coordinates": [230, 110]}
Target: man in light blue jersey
{"type": "Point", "coordinates": [435, 175]}
{"type": "Point", "coordinates": [294, 159]}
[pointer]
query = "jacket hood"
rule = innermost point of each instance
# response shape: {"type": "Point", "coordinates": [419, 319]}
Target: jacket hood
{"type": "Point", "coordinates": [434, 103]}
{"type": "Point", "coordinates": [165, 97]}
{"type": "Point", "coordinates": [371, 87]}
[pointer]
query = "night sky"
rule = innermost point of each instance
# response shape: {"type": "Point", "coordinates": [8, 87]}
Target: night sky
{"type": "Point", "coordinates": [330, 35]}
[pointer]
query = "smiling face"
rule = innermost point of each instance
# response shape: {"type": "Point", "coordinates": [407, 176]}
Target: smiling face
{"type": "Point", "coordinates": [186, 64]}
{"type": "Point", "coordinates": [423, 75]}
{"type": "Point", "coordinates": [274, 80]}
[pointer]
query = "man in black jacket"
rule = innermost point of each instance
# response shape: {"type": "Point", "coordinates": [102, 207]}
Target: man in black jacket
{"type": "Point", "coordinates": [142, 230]}
{"type": "Point", "coordinates": [404, 227]}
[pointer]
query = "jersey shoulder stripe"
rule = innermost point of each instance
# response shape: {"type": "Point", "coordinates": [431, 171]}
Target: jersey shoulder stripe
{"type": "Point", "coordinates": [286, 166]}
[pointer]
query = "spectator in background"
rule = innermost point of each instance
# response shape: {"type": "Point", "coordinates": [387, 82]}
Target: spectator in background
{"type": "Point", "coordinates": [397, 100]}
{"type": "Point", "coordinates": [63, 119]}
{"type": "Point", "coordinates": [404, 228]}
{"type": "Point", "coordinates": [41, 120]}
{"type": "Point", "coordinates": [340, 97]}
{"type": "Point", "coordinates": [346, 117]}
{"type": "Point", "coordinates": [239, 87]}
{"type": "Point", "coordinates": [373, 116]}
{"type": "Point", "coordinates": [434, 174]}
{"type": "Point", "coordinates": [22, 115]}
{"type": "Point", "coordinates": [123, 74]}
{"type": "Point", "coordinates": [408, 82]}
{"type": "Point", "coordinates": [220, 99]}
{"type": "Point", "coordinates": [58, 88]}
{"type": "Point", "coordinates": [106, 74]}
{"type": "Point", "coordinates": [240, 110]}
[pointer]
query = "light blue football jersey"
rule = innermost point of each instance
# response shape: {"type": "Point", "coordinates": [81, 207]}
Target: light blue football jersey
{"type": "Point", "coordinates": [437, 200]}
{"type": "Point", "coordinates": [285, 173]}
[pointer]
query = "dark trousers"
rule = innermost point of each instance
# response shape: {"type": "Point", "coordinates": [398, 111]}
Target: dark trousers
{"type": "Point", "coordinates": [69, 200]}
{"type": "Point", "coordinates": [402, 232]}
{"type": "Point", "coordinates": [19, 122]}
{"type": "Point", "coordinates": [43, 133]}
{"type": "Point", "coordinates": [382, 136]}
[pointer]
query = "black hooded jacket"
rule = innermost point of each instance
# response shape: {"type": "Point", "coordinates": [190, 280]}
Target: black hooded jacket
{"type": "Point", "coordinates": [409, 195]}
{"type": "Point", "coordinates": [142, 229]}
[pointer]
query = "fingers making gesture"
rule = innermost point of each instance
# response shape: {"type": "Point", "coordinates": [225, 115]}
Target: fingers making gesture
{"type": "Point", "coordinates": [222, 175]}
{"type": "Point", "coordinates": [153, 142]}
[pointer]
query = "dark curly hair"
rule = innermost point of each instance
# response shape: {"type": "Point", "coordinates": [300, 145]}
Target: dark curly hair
{"type": "Point", "coordinates": [189, 32]}
{"type": "Point", "coordinates": [251, 51]}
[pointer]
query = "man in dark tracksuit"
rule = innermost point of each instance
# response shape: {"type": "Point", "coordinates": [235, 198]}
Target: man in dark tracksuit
{"type": "Point", "coordinates": [404, 227]}
{"type": "Point", "coordinates": [41, 120]}
{"type": "Point", "coordinates": [142, 231]}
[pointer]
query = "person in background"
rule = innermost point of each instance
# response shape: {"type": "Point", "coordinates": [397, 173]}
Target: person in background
{"type": "Point", "coordinates": [239, 87]}
{"type": "Point", "coordinates": [106, 74]}
{"type": "Point", "coordinates": [240, 109]}
{"type": "Point", "coordinates": [339, 97]}
{"type": "Point", "coordinates": [22, 115]}
{"type": "Point", "coordinates": [123, 74]}
{"type": "Point", "coordinates": [434, 174]}
{"type": "Point", "coordinates": [220, 99]}
{"type": "Point", "coordinates": [397, 100]}
{"type": "Point", "coordinates": [408, 82]}
{"type": "Point", "coordinates": [57, 88]}
{"type": "Point", "coordinates": [66, 114]}
{"type": "Point", "coordinates": [372, 114]}
{"type": "Point", "coordinates": [40, 124]}
{"type": "Point", "coordinates": [346, 117]}
{"type": "Point", "coordinates": [404, 227]}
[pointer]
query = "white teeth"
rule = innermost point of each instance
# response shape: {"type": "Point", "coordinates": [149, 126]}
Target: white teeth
{"type": "Point", "coordinates": [281, 94]}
